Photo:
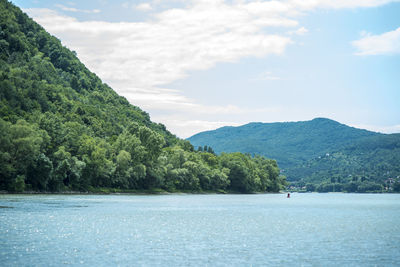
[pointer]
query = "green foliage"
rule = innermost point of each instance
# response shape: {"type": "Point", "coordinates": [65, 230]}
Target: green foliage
{"type": "Point", "coordinates": [247, 174]}
{"type": "Point", "coordinates": [19, 185]}
{"type": "Point", "coordinates": [40, 172]}
{"type": "Point", "coordinates": [63, 129]}
{"type": "Point", "coordinates": [290, 143]}
{"type": "Point", "coordinates": [396, 187]}
{"type": "Point", "coordinates": [21, 146]}
{"type": "Point", "coordinates": [319, 155]}
{"type": "Point", "coordinates": [352, 187]}
{"type": "Point", "coordinates": [365, 166]}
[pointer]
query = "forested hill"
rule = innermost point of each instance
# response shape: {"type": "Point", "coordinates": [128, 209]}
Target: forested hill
{"type": "Point", "coordinates": [318, 155]}
{"type": "Point", "coordinates": [42, 78]}
{"type": "Point", "coordinates": [371, 164]}
{"type": "Point", "coordinates": [63, 129]}
{"type": "Point", "coordinates": [290, 143]}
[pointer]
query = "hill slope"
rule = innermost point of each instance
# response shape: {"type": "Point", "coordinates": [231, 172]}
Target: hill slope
{"type": "Point", "coordinates": [63, 129]}
{"type": "Point", "coordinates": [363, 166]}
{"type": "Point", "coordinates": [322, 154]}
{"type": "Point", "coordinates": [290, 143]}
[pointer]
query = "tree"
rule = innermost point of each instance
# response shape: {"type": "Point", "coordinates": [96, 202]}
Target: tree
{"type": "Point", "coordinates": [123, 171]}
{"type": "Point", "coordinates": [219, 179]}
{"type": "Point", "coordinates": [40, 173]}
{"type": "Point", "coordinates": [396, 186]}
{"type": "Point", "coordinates": [20, 150]}
{"type": "Point", "coordinates": [75, 175]}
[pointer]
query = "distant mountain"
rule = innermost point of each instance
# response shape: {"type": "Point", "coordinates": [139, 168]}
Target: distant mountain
{"type": "Point", "coordinates": [290, 143]}
{"type": "Point", "coordinates": [321, 154]}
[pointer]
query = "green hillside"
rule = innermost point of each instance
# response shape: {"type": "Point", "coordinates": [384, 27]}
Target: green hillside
{"type": "Point", "coordinates": [366, 165]}
{"type": "Point", "coordinates": [317, 155]}
{"type": "Point", "coordinates": [290, 143]}
{"type": "Point", "coordinates": [63, 129]}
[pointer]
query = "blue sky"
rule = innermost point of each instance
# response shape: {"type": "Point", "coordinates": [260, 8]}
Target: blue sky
{"type": "Point", "coordinates": [199, 65]}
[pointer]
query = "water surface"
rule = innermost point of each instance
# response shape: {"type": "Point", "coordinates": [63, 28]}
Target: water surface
{"type": "Point", "coordinates": [200, 230]}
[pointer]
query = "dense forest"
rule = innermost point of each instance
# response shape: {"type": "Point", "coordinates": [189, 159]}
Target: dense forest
{"type": "Point", "coordinates": [62, 129]}
{"type": "Point", "coordinates": [369, 165]}
{"type": "Point", "coordinates": [290, 143]}
{"type": "Point", "coordinates": [318, 155]}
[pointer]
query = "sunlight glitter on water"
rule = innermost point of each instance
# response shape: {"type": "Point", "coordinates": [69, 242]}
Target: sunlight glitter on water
{"type": "Point", "coordinates": [198, 230]}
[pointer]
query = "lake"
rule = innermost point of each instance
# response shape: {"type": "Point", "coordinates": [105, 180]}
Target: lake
{"type": "Point", "coordinates": [200, 230]}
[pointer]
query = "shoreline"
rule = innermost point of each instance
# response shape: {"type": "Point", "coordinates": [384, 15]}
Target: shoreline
{"type": "Point", "coordinates": [144, 193]}
{"type": "Point", "coordinates": [135, 193]}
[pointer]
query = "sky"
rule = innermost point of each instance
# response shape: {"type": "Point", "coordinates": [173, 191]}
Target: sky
{"type": "Point", "coordinates": [198, 65]}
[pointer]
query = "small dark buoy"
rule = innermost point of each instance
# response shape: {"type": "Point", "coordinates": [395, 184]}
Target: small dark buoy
{"type": "Point", "coordinates": [288, 195]}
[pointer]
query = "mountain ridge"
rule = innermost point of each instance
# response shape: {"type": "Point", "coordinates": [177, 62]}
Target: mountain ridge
{"type": "Point", "coordinates": [317, 155]}
{"type": "Point", "coordinates": [258, 137]}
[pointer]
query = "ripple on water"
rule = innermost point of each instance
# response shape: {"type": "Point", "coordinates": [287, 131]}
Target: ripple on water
{"type": "Point", "coordinates": [181, 230]}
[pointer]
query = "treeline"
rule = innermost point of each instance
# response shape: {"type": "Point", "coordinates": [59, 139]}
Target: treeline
{"type": "Point", "coordinates": [351, 187]}
{"type": "Point", "coordinates": [137, 159]}
{"type": "Point", "coordinates": [63, 129]}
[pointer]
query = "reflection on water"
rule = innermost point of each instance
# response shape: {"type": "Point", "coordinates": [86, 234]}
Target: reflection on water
{"type": "Point", "coordinates": [182, 230]}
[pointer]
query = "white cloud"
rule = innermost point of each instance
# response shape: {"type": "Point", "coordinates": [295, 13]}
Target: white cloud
{"type": "Point", "coordinates": [73, 9]}
{"type": "Point", "coordinates": [386, 43]}
{"type": "Point", "coordinates": [336, 4]}
{"type": "Point", "coordinates": [153, 53]}
{"type": "Point", "coordinates": [143, 7]}
{"type": "Point", "coordinates": [299, 31]}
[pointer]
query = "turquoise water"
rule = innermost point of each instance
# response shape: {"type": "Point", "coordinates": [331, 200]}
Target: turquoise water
{"type": "Point", "coordinates": [200, 230]}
